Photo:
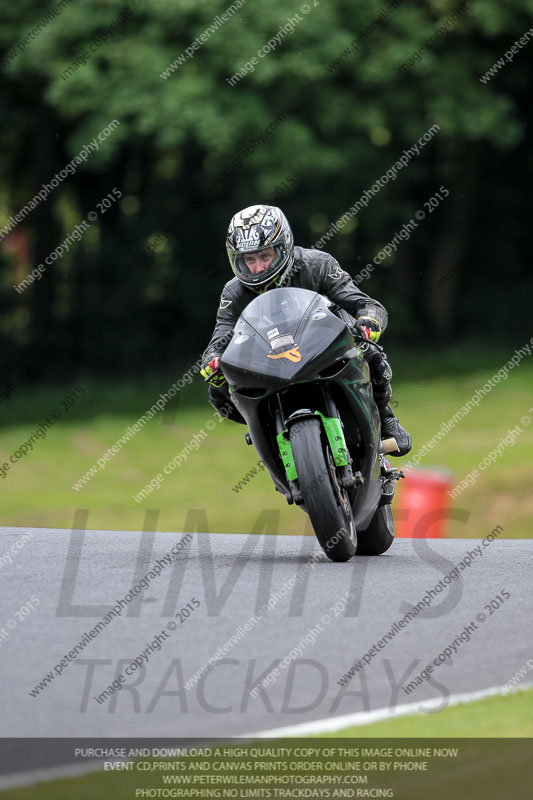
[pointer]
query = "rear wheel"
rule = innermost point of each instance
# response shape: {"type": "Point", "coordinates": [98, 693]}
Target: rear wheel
{"type": "Point", "coordinates": [326, 501]}
{"type": "Point", "coordinates": [379, 535]}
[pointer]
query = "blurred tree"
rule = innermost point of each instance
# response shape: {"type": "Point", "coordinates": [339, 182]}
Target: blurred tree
{"type": "Point", "coordinates": [140, 290]}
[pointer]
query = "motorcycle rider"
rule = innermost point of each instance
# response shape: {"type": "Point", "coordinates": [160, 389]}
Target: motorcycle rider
{"type": "Point", "coordinates": [262, 254]}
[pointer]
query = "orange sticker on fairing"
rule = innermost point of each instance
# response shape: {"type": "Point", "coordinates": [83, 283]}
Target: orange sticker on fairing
{"type": "Point", "coordinates": [291, 355]}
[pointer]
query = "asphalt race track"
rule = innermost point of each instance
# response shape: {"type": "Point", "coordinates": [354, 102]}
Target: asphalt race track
{"type": "Point", "coordinates": [57, 585]}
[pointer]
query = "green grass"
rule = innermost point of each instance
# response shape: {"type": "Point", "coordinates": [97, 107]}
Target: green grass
{"type": "Point", "coordinates": [509, 716]}
{"type": "Point", "coordinates": [495, 717]}
{"type": "Point", "coordinates": [37, 489]}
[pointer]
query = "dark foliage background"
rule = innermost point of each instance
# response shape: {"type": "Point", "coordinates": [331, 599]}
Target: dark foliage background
{"type": "Point", "coordinates": [139, 292]}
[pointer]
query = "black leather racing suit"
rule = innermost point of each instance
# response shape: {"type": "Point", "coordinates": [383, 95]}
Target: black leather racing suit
{"type": "Point", "coordinates": [319, 272]}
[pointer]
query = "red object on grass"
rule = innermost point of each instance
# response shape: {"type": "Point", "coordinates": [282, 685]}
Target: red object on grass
{"type": "Point", "coordinates": [424, 504]}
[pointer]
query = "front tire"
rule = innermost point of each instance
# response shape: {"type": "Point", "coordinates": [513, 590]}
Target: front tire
{"type": "Point", "coordinates": [326, 501]}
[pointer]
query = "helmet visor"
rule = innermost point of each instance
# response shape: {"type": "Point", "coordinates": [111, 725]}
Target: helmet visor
{"type": "Point", "coordinates": [254, 267]}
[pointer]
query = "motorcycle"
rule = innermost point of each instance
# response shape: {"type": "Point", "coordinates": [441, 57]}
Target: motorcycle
{"type": "Point", "coordinates": [298, 377]}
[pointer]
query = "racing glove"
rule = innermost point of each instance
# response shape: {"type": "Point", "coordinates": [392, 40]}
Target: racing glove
{"type": "Point", "coordinates": [212, 373]}
{"type": "Point", "coordinates": [370, 328]}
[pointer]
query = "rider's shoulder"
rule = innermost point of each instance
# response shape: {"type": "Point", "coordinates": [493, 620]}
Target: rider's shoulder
{"type": "Point", "coordinates": [311, 257]}
{"type": "Point", "coordinates": [232, 292]}
{"type": "Point", "coordinates": [233, 288]}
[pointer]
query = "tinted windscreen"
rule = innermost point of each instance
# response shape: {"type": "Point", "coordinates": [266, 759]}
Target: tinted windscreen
{"type": "Point", "coordinates": [278, 307]}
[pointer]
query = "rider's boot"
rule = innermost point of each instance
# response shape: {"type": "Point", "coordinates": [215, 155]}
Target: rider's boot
{"type": "Point", "coordinates": [391, 428]}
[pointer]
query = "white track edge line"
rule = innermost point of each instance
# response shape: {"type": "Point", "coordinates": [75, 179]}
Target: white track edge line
{"type": "Point", "coordinates": [379, 714]}
{"type": "Point", "coordinates": [32, 777]}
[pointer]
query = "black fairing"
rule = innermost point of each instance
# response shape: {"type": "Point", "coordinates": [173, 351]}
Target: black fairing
{"type": "Point", "coordinates": [289, 351]}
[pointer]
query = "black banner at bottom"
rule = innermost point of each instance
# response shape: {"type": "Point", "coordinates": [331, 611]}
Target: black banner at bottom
{"type": "Point", "coordinates": [405, 769]}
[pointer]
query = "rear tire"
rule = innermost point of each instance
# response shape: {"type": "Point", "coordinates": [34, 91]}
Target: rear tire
{"type": "Point", "coordinates": [379, 535]}
{"type": "Point", "coordinates": [326, 501]}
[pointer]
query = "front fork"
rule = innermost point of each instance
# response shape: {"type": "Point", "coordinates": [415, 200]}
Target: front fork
{"type": "Point", "coordinates": [334, 432]}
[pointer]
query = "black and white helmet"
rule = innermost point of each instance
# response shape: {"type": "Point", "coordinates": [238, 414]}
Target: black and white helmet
{"type": "Point", "coordinates": [254, 229]}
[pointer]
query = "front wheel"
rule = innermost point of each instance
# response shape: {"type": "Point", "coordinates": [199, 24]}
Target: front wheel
{"type": "Point", "coordinates": [326, 501]}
